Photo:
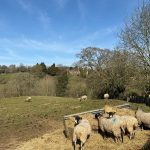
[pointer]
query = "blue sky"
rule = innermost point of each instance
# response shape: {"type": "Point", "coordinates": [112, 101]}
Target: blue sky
{"type": "Point", "coordinates": [53, 31]}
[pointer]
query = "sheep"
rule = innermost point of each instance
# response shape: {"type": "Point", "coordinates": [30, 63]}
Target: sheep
{"type": "Point", "coordinates": [28, 99]}
{"type": "Point", "coordinates": [143, 118]}
{"type": "Point", "coordinates": [106, 96]}
{"type": "Point", "coordinates": [82, 131]}
{"type": "Point", "coordinates": [109, 110]}
{"type": "Point", "coordinates": [129, 123]}
{"type": "Point", "coordinates": [84, 97]}
{"type": "Point", "coordinates": [110, 125]}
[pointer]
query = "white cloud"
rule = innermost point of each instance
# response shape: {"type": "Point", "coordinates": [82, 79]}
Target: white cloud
{"type": "Point", "coordinates": [61, 3]}
{"type": "Point", "coordinates": [53, 51]}
{"type": "Point", "coordinates": [35, 45]}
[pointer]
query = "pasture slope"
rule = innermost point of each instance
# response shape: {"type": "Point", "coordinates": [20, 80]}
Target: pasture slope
{"type": "Point", "coordinates": [37, 125]}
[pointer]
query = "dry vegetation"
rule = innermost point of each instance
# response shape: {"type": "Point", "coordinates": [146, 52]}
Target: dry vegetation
{"type": "Point", "coordinates": [38, 125]}
{"type": "Point", "coordinates": [56, 139]}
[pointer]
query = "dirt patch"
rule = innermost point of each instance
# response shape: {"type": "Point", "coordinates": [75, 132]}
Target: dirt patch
{"type": "Point", "coordinates": [56, 140]}
{"type": "Point", "coordinates": [34, 130]}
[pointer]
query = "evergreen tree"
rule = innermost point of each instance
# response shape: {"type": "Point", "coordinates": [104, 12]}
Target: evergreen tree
{"type": "Point", "coordinates": [62, 85]}
{"type": "Point", "coordinates": [44, 69]}
{"type": "Point", "coordinates": [52, 70]}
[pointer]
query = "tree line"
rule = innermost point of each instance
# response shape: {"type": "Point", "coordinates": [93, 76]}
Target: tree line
{"type": "Point", "coordinates": [121, 72]}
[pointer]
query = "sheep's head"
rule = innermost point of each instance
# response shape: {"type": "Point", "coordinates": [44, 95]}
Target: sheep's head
{"type": "Point", "coordinates": [77, 119]}
{"type": "Point", "coordinates": [97, 115]}
{"type": "Point", "coordinates": [111, 114]}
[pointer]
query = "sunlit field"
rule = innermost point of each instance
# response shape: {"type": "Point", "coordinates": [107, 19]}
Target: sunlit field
{"type": "Point", "coordinates": [22, 121]}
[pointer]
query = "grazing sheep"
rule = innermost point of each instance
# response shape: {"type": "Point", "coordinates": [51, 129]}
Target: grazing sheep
{"type": "Point", "coordinates": [110, 125]}
{"type": "Point", "coordinates": [109, 110]}
{"type": "Point", "coordinates": [82, 131]}
{"type": "Point", "coordinates": [129, 123]}
{"type": "Point", "coordinates": [143, 118]}
{"type": "Point", "coordinates": [106, 96]}
{"type": "Point", "coordinates": [28, 99]}
{"type": "Point", "coordinates": [84, 97]}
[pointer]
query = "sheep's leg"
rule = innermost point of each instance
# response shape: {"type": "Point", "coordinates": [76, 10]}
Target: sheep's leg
{"type": "Point", "coordinates": [122, 130]}
{"type": "Point", "coordinates": [81, 145]}
{"type": "Point", "coordinates": [115, 139]}
{"type": "Point", "coordinates": [130, 135]}
{"type": "Point", "coordinates": [142, 127]}
{"type": "Point", "coordinates": [133, 134]}
{"type": "Point", "coordinates": [103, 135]}
{"type": "Point", "coordinates": [74, 145]}
{"type": "Point", "coordinates": [122, 136]}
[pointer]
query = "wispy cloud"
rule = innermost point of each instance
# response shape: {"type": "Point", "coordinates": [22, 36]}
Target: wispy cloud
{"type": "Point", "coordinates": [39, 14]}
{"type": "Point", "coordinates": [35, 45]}
{"type": "Point", "coordinates": [26, 5]}
{"type": "Point", "coordinates": [61, 52]}
{"type": "Point", "coordinates": [81, 8]}
{"type": "Point", "coordinates": [61, 3]}
{"type": "Point", "coordinates": [112, 29]}
{"type": "Point", "coordinates": [44, 19]}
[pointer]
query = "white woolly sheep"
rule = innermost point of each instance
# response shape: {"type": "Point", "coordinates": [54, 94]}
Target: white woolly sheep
{"type": "Point", "coordinates": [129, 123]}
{"type": "Point", "coordinates": [143, 118]}
{"type": "Point", "coordinates": [82, 131]}
{"type": "Point", "coordinates": [28, 99]}
{"type": "Point", "coordinates": [84, 97]}
{"type": "Point", "coordinates": [109, 110]}
{"type": "Point", "coordinates": [106, 96]}
{"type": "Point", "coordinates": [111, 125]}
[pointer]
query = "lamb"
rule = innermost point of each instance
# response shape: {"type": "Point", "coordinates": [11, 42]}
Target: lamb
{"type": "Point", "coordinates": [143, 118]}
{"type": "Point", "coordinates": [109, 110]}
{"type": "Point", "coordinates": [82, 131]}
{"type": "Point", "coordinates": [129, 123]}
{"type": "Point", "coordinates": [84, 97]}
{"type": "Point", "coordinates": [28, 99]}
{"type": "Point", "coordinates": [106, 96]}
{"type": "Point", "coordinates": [110, 125]}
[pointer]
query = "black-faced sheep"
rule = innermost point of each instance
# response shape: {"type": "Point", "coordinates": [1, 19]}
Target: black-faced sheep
{"type": "Point", "coordinates": [109, 110]}
{"type": "Point", "coordinates": [110, 125]}
{"type": "Point", "coordinates": [82, 131]}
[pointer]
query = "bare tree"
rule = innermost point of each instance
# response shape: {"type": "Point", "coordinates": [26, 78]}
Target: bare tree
{"type": "Point", "coordinates": [135, 36]}
{"type": "Point", "coordinates": [94, 58]}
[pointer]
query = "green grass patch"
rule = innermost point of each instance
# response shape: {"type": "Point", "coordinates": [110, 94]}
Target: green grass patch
{"type": "Point", "coordinates": [29, 119]}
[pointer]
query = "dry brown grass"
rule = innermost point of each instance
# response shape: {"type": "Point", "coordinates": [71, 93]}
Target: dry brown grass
{"type": "Point", "coordinates": [57, 141]}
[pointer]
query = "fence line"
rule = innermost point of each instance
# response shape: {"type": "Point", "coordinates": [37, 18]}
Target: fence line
{"type": "Point", "coordinates": [66, 132]}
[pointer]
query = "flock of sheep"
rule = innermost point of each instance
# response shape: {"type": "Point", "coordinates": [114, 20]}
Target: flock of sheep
{"type": "Point", "coordinates": [110, 123]}
{"type": "Point", "coordinates": [84, 97]}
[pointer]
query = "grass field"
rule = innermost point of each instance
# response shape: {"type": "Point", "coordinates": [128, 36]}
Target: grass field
{"type": "Point", "coordinates": [21, 121]}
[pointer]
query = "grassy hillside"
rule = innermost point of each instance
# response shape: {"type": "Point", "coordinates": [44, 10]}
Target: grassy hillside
{"type": "Point", "coordinates": [24, 120]}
